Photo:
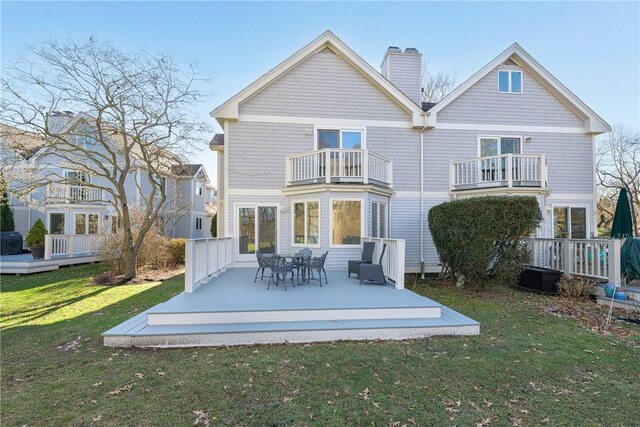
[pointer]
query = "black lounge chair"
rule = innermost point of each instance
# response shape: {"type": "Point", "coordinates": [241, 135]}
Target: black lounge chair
{"type": "Point", "coordinates": [373, 273]}
{"type": "Point", "coordinates": [367, 258]}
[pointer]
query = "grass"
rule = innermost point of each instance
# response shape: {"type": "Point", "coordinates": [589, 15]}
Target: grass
{"type": "Point", "coordinates": [526, 368]}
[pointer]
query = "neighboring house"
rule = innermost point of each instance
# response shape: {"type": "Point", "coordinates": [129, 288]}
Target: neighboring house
{"type": "Point", "coordinates": [324, 150]}
{"type": "Point", "coordinates": [79, 208]}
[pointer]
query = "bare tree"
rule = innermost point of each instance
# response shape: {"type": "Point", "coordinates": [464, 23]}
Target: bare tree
{"type": "Point", "coordinates": [618, 166]}
{"type": "Point", "coordinates": [136, 120]}
{"type": "Point", "coordinates": [436, 86]}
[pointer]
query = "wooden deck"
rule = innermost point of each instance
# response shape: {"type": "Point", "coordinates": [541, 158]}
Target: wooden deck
{"type": "Point", "coordinates": [25, 264]}
{"type": "Point", "coordinates": [233, 310]}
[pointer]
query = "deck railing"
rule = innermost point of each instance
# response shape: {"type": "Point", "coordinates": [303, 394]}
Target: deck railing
{"type": "Point", "coordinates": [205, 258]}
{"type": "Point", "coordinates": [393, 260]}
{"type": "Point", "coordinates": [62, 193]}
{"type": "Point", "coordinates": [339, 165]}
{"type": "Point", "coordinates": [71, 245]}
{"type": "Point", "coordinates": [509, 170]}
{"type": "Point", "coordinates": [597, 258]}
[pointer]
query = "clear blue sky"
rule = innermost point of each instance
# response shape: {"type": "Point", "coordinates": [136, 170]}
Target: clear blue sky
{"type": "Point", "coordinates": [593, 48]}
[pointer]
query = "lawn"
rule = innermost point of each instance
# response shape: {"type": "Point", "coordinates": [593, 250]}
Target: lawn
{"type": "Point", "coordinates": [526, 367]}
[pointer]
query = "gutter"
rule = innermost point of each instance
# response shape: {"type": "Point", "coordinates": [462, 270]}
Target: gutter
{"type": "Point", "coordinates": [422, 197]}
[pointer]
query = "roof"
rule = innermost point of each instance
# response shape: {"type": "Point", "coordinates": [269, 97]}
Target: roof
{"type": "Point", "coordinates": [426, 106]}
{"type": "Point", "coordinates": [188, 170]}
{"type": "Point", "coordinates": [217, 141]}
{"type": "Point", "coordinates": [23, 142]}
{"type": "Point", "coordinates": [593, 123]}
{"type": "Point", "coordinates": [229, 109]}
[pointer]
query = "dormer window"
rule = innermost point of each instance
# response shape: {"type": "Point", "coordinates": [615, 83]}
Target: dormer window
{"type": "Point", "coordinates": [509, 81]}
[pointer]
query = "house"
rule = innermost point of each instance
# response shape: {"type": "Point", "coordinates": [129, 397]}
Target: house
{"type": "Point", "coordinates": [78, 208]}
{"type": "Point", "coordinates": [324, 150]}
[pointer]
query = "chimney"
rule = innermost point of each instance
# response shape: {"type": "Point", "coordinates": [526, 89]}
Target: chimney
{"type": "Point", "coordinates": [58, 120]}
{"type": "Point", "coordinates": [404, 69]}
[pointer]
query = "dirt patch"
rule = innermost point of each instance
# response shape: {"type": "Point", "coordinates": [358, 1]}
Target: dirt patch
{"type": "Point", "coordinates": [594, 317]}
{"type": "Point", "coordinates": [144, 276]}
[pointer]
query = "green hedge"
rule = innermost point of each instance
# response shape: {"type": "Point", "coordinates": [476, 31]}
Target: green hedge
{"type": "Point", "coordinates": [480, 239]}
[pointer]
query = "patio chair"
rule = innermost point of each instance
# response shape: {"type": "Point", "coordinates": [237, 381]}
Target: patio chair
{"type": "Point", "coordinates": [263, 262]}
{"type": "Point", "coordinates": [280, 266]}
{"type": "Point", "coordinates": [298, 263]}
{"type": "Point", "coordinates": [373, 273]}
{"type": "Point", "coordinates": [367, 258]}
{"type": "Point", "coordinates": [317, 263]}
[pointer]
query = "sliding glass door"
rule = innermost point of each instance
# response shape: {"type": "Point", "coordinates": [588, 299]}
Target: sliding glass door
{"type": "Point", "coordinates": [257, 230]}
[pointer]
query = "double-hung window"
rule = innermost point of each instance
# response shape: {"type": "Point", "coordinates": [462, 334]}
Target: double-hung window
{"type": "Point", "coordinates": [346, 222]}
{"type": "Point", "coordinates": [379, 220]}
{"type": "Point", "coordinates": [306, 223]}
{"type": "Point", "coordinates": [199, 188]}
{"type": "Point", "coordinates": [570, 222]}
{"type": "Point", "coordinates": [509, 81]}
{"type": "Point", "coordinates": [198, 223]}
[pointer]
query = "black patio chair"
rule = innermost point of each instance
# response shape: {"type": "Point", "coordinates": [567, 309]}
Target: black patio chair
{"type": "Point", "coordinates": [373, 273]}
{"type": "Point", "coordinates": [367, 258]}
{"type": "Point", "coordinates": [263, 262]}
{"type": "Point", "coordinates": [280, 266]}
{"type": "Point", "coordinates": [298, 262]}
{"type": "Point", "coordinates": [317, 263]}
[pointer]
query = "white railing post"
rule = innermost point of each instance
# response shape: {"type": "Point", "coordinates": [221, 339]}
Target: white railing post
{"type": "Point", "coordinates": [509, 170]}
{"type": "Point", "coordinates": [47, 246]}
{"type": "Point", "coordinates": [567, 256]}
{"type": "Point", "coordinates": [543, 171]}
{"type": "Point", "coordinates": [70, 245]}
{"type": "Point", "coordinates": [615, 275]}
{"type": "Point", "coordinates": [365, 166]}
{"type": "Point", "coordinates": [452, 175]}
{"type": "Point", "coordinates": [400, 247]}
{"type": "Point", "coordinates": [288, 171]}
{"type": "Point", "coordinates": [327, 166]}
{"type": "Point", "coordinates": [189, 252]}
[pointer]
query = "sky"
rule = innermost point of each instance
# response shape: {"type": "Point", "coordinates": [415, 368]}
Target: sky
{"type": "Point", "coordinates": [592, 47]}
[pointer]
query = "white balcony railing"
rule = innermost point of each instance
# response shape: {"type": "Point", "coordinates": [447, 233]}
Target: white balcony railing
{"type": "Point", "coordinates": [597, 258]}
{"type": "Point", "coordinates": [339, 165]}
{"type": "Point", "coordinates": [393, 259]}
{"type": "Point", "coordinates": [509, 170]}
{"type": "Point", "coordinates": [205, 258]}
{"type": "Point", "coordinates": [63, 193]}
{"type": "Point", "coordinates": [71, 245]}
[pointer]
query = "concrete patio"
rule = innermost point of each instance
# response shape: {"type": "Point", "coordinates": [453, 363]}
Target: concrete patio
{"type": "Point", "coordinates": [232, 310]}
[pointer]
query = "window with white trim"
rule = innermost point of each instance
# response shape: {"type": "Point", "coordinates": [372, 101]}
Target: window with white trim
{"type": "Point", "coordinates": [306, 223]}
{"type": "Point", "coordinates": [379, 222]}
{"type": "Point", "coordinates": [569, 222]}
{"type": "Point", "coordinates": [509, 81]}
{"type": "Point", "coordinates": [346, 222]}
{"type": "Point", "coordinates": [340, 138]}
{"type": "Point", "coordinates": [198, 223]}
{"type": "Point", "coordinates": [199, 188]}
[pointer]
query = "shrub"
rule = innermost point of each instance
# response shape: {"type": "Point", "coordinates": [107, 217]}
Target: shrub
{"type": "Point", "coordinates": [176, 251]}
{"type": "Point", "coordinates": [6, 216]}
{"type": "Point", "coordinates": [214, 226]}
{"type": "Point", "coordinates": [578, 288]}
{"type": "Point", "coordinates": [35, 237]}
{"type": "Point", "coordinates": [483, 238]}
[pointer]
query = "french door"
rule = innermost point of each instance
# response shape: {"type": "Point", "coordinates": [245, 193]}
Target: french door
{"type": "Point", "coordinates": [493, 166]}
{"type": "Point", "coordinates": [257, 230]}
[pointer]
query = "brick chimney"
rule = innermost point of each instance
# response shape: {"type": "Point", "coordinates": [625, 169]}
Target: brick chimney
{"type": "Point", "coordinates": [404, 69]}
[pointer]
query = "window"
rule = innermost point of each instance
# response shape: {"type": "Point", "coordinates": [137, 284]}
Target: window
{"type": "Point", "coordinates": [93, 224]}
{"type": "Point", "coordinates": [86, 223]}
{"type": "Point", "coordinates": [81, 225]}
{"type": "Point", "coordinates": [306, 223]}
{"type": "Point", "coordinates": [115, 224]}
{"type": "Point", "coordinates": [56, 223]}
{"type": "Point", "coordinates": [570, 222]}
{"type": "Point", "coordinates": [77, 177]}
{"type": "Point", "coordinates": [379, 220]}
{"type": "Point", "coordinates": [497, 146]}
{"type": "Point", "coordinates": [509, 81]}
{"type": "Point", "coordinates": [198, 223]}
{"type": "Point", "coordinates": [346, 222]}
{"type": "Point", "coordinates": [257, 229]}
{"type": "Point", "coordinates": [198, 188]}
{"type": "Point", "coordinates": [340, 138]}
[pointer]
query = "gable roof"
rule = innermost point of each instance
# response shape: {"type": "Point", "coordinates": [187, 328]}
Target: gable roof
{"type": "Point", "coordinates": [25, 143]}
{"type": "Point", "coordinates": [186, 170]}
{"type": "Point", "coordinates": [229, 109]}
{"type": "Point", "coordinates": [593, 123]}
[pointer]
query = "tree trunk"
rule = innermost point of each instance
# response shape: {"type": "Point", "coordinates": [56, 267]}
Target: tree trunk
{"type": "Point", "coordinates": [129, 255]}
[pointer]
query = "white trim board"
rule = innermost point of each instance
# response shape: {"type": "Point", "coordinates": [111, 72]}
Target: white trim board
{"type": "Point", "coordinates": [508, 128]}
{"type": "Point", "coordinates": [320, 121]}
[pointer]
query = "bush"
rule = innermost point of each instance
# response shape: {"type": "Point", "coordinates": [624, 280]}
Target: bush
{"type": "Point", "coordinates": [482, 239]}
{"type": "Point", "coordinates": [214, 226]}
{"type": "Point", "coordinates": [35, 237]}
{"type": "Point", "coordinates": [578, 288]}
{"type": "Point", "coordinates": [176, 251]}
{"type": "Point", "coordinates": [6, 216]}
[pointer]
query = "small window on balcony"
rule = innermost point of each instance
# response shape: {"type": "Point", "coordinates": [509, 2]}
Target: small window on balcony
{"type": "Point", "coordinates": [340, 138]}
{"type": "Point", "coordinates": [509, 81]}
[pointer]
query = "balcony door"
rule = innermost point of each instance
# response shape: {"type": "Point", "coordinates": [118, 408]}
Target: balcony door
{"type": "Point", "coordinates": [342, 164]}
{"type": "Point", "coordinates": [492, 166]}
{"type": "Point", "coordinates": [257, 228]}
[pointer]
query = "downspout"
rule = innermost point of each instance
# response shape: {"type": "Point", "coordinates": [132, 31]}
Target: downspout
{"type": "Point", "coordinates": [424, 126]}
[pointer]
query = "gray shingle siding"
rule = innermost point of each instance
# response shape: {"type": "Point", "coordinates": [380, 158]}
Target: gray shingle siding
{"type": "Point", "coordinates": [402, 146]}
{"type": "Point", "coordinates": [535, 106]}
{"type": "Point", "coordinates": [326, 86]}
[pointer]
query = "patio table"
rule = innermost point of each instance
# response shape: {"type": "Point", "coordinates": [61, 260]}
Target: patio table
{"type": "Point", "coordinates": [298, 256]}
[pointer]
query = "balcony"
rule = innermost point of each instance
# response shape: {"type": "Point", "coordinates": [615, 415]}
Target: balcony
{"type": "Point", "coordinates": [339, 166]}
{"type": "Point", "coordinates": [63, 193]}
{"type": "Point", "coordinates": [508, 171]}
